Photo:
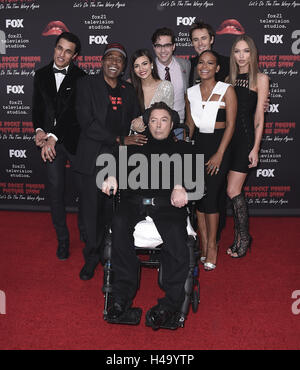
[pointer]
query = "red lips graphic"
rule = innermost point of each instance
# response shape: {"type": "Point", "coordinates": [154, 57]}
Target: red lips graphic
{"type": "Point", "coordinates": [55, 28]}
{"type": "Point", "coordinates": [231, 26]}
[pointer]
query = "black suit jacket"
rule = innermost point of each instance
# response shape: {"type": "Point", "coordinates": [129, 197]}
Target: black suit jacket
{"type": "Point", "coordinates": [220, 76]}
{"type": "Point", "coordinates": [91, 107]}
{"type": "Point", "coordinates": [49, 105]}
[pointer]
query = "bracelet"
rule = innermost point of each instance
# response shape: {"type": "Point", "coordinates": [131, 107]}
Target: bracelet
{"type": "Point", "coordinates": [121, 140]}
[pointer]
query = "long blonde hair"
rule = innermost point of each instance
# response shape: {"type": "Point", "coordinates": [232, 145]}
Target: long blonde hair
{"type": "Point", "coordinates": [253, 65]}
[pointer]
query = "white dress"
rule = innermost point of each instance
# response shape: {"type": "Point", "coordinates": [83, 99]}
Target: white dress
{"type": "Point", "coordinates": [204, 113]}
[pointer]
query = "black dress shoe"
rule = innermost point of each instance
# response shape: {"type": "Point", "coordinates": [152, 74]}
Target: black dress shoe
{"type": "Point", "coordinates": [122, 313]}
{"type": "Point", "coordinates": [160, 317]}
{"type": "Point", "coordinates": [87, 271]}
{"type": "Point", "coordinates": [115, 311]}
{"type": "Point", "coordinates": [62, 252]}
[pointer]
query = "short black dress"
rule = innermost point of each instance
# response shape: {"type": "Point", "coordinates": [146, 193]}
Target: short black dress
{"type": "Point", "coordinates": [243, 138]}
{"type": "Point", "coordinates": [208, 145]}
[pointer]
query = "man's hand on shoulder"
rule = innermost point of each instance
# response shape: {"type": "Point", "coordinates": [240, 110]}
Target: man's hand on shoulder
{"type": "Point", "coordinates": [137, 139]}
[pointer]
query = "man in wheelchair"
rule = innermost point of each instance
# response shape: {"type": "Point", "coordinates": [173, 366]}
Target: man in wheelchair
{"type": "Point", "coordinates": [164, 198]}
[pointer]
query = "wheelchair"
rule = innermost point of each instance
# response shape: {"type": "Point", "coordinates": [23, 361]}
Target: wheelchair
{"type": "Point", "coordinates": [151, 247]}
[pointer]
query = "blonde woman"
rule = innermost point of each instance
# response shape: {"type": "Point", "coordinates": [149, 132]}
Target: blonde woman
{"type": "Point", "coordinates": [252, 90]}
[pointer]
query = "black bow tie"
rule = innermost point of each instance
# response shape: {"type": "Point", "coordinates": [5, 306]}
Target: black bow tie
{"type": "Point", "coordinates": [63, 71]}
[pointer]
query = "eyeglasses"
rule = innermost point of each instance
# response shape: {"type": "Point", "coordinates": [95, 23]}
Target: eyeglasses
{"type": "Point", "coordinates": [112, 59]}
{"type": "Point", "coordinates": [165, 46]}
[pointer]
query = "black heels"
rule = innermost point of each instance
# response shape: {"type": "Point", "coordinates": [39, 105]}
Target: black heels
{"type": "Point", "coordinates": [233, 248]}
{"type": "Point", "coordinates": [242, 239]}
{"type": "Point", "coordinates": [242, 247]}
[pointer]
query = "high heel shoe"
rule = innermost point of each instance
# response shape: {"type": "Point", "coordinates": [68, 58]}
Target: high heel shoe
{"type": "Point", "coordinates": [241, 214]}
{"type": "Point", "coordinates": [234, 246]}
{"type": "Point", "coordinates": [208, 266]}
{"type": "Point", "coordinates": [244, 245]}
{"type": "Point", "coordinates": [203, 255]}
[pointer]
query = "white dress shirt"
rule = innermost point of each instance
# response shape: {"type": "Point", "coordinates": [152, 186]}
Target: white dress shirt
{"type": "Point", "coordinates": [177, 82]}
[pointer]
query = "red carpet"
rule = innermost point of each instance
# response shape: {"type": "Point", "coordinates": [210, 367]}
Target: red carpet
{"type": "Point", "coordinates": [245, 303]}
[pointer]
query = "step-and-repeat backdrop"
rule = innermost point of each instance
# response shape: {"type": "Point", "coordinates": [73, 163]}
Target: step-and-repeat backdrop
{"type": "Point", "coordinates": [28, 29]}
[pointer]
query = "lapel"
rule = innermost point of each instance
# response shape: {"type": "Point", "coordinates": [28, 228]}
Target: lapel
{"type": "Point", "coordinates": [49, 87]}
{"type": "Point", "coordinates": [102, 101]}
{"type": "Point", "coordinates": [125, 102]}
{"type": "Point", "coordinates": [50, 84]}
{"type": "Point", "coordinates": [100, 95]}
{"type": "Point", "coordinates": [67, 80]}
{"type": "Point", "coordinates": [183, 72]}
{"type": "Point", "coordinates": [65, 91]}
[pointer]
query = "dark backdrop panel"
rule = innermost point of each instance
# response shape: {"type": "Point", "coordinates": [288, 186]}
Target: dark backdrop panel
{"type": "Point", "coordinates": [28, 29]}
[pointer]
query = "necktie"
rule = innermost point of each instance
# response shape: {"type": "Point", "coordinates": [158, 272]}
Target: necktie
{"type": "Point", "coordinates": [63, 71]}
{"type": "Point", "coordinates": [167, 75]}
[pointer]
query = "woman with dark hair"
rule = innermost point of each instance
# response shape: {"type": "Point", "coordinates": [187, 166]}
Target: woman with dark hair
{"type": "Point", "coordinates": [149, 87]}
{"type": "Point", "coordinates": [252, 89]}
{"type": "Point", "coordinates": [211, 106]}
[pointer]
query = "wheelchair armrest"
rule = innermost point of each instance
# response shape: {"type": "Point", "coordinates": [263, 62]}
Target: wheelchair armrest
{"type": "Point", "coordinates": [186, 130]}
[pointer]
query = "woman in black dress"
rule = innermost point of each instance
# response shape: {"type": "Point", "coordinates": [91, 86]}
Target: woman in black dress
{"type": "Point", "coordinates": [211, 107]}
{"type": "Point", "coordinates": [252, 89]}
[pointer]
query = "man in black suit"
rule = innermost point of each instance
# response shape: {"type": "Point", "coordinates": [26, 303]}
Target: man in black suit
{"type": "Point", "coordinates": [202, 36]}
{"type": "Point", "coordinates": [57, 129]}
{"type": "Point", "coordinates": [105, 108]}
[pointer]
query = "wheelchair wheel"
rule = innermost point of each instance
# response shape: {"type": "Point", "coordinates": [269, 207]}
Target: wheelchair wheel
{"type": "Point", "coordinates": [196, 298]}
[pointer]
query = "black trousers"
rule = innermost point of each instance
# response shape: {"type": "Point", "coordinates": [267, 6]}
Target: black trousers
{"type": "Point", "coordinates": [171, 225]}
{"type": "Point", "coordinates": [97, 215]}
{"type": "Point", "coordinates": [56, 172]}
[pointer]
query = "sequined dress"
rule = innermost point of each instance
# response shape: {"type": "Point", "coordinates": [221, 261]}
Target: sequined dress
{"type": "Point", "coordinates": [243, 138]}
{"type": "Point", "coordinates": [165, 93]}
